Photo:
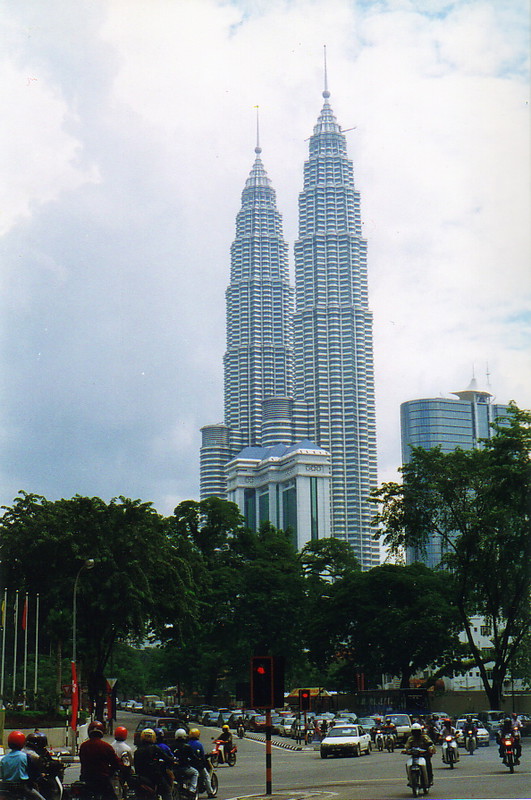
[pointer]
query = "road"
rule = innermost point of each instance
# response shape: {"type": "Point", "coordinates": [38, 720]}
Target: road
{"type": "Point", "coordinates": [378, 776]}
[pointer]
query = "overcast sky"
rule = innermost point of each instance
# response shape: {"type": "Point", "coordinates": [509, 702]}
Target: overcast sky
{"type": "Point", "coordinates": [127, 134]}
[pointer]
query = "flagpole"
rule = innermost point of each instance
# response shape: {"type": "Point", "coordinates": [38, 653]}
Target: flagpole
{"type": "Point", "coordinates": [35, 683]}
{"type": "Point", "coordinates": [15, 646]}
{"type": "Point", "coordinates": [4, 609]}
{"type": "Point", "coordinates": [25, 626]}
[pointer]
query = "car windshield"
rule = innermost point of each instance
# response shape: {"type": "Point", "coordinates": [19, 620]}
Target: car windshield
{"type": "Point", "coordinates": [343, 731]}
{"type": "Point", "coordinates": [398, 719]}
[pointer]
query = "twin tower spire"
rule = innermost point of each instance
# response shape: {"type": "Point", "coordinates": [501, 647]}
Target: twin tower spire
{"type": "Point", "coordinates": [298, 367]}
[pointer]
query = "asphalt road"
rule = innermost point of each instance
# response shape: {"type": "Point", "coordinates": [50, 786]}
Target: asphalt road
{"type": "Point", "coordinates": [378, 776]}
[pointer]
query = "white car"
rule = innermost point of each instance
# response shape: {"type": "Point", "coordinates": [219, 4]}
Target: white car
{"type": "Point", "coordinates": [482, 735]}
{"type": "Point", "coordinates": [284, 727]}
{"type": "Point", "coordinates": [345, 740]}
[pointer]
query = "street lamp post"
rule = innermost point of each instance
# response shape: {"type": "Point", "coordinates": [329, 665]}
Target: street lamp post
{"type": "Point", "coordinates": [89, 563]}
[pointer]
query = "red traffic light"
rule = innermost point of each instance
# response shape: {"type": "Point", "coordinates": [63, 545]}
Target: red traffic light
{"type": "Point", "coordinates": [304, 699]}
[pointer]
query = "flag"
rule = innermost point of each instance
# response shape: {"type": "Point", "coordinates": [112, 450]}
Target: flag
{"type": "Point", "coordinates": [25, 614]}
{"type": "Point", "coordinates": [3, 623]}
{"type": "Point", "coordinates": [75, 698]}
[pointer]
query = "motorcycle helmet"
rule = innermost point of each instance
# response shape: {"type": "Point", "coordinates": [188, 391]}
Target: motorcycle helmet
{"type": "Point", "coordinates": [37, 741]}
{"type": "Point", "coordinates": [16, 740]}
{"type": "Point", "coordinates": [148, 735]}
{"type": "Point", "coordinates": [159, 734]}
{"type": "Point", "coordinates": [180, 733]}
{"type": "Point", "coordinates": [225, 728]}
{"type": "Point", "coordinates": [96, 729]}
{"type": "Point", "coordinates": [416, 727]}
{"type": "Point", "coordinates": [194, 734]}
{"type": "Point", "coordinates": [120, 734]}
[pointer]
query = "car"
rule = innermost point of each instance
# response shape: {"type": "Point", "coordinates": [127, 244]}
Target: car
{"type": "Point", "coordinates": [257, 723]}
{"type": "Point", "coordinates": [491, 720]}
{"type": "Point", "coordinates": [137, 708]}
{"type": "Point", "coordinates": [211, 719]}
{"type": "Point", "coordinates": [482, 735]}
{"type": "Point", "coordinates": [284, 728]}
{"type": "Point", "coordinates": [345, 740]}
{"type": "Point", "coordinates": [169, 724]}
{"type": "Point", "coordinates": [403, 725]}
{"type": "Point", "coordinates": [367, 723]}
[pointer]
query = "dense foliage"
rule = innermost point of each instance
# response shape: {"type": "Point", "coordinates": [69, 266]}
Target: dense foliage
{"type": "Point", "coordinates": [478, 502]}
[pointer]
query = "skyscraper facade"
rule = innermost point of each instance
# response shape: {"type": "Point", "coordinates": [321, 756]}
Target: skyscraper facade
{"type": "Point", "coordinates": [258, 362]}
{"type": "Point", "coordinates": [304, 375]}
{"type": "Point", "coordinates": [448, 423]}
{"type": "Point", "coordinates": [334, 373]}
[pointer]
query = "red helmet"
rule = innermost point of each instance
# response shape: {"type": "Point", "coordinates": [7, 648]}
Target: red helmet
{"type": "Point", "coordinates": [120, 733]}
{"type": "Point", "coordinates": [96, 728]}
{"type": "Point", "coordinates": [16, 740]}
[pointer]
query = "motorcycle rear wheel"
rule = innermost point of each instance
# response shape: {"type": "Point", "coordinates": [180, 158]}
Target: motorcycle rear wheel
{"type": "Point", "coordinates": [214, 783]}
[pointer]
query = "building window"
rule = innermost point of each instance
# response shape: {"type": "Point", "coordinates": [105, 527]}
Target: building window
{"type": "Point", "coordinates": [485, 630]}
{"type": "Point", "coordinates": [249, 510]}
{"type": "Point", "coordinates": [314, 519]}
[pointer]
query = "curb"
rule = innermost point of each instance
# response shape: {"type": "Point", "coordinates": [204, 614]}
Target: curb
{"type": "Point", "coordinates": [258, 737]}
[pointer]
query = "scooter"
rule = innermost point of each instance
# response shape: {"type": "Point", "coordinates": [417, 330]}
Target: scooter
{"type": "Point", "coordinates": [417, 772]}
{"type": "Point", "coordinates": [379, 739]}
{"type": "Point", "coordinates": [218, 753]}
{"type": "Point", "coordinates": [240, 730]}
{"type": "Point", "coordinates": [390, 742]}
{"type": "Point", "coordinates": [450, 752]}
{"type": "Point", "coordinates": [470, 740]}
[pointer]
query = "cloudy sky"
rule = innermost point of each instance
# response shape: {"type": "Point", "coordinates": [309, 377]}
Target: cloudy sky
{"type": "Point", "coordinates": [127, 134]}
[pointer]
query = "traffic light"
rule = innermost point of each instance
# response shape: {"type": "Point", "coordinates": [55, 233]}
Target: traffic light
{"type": "Point", "coordinates": [304, 699]}
{"type": "Point", "coordinates": [262, 682]}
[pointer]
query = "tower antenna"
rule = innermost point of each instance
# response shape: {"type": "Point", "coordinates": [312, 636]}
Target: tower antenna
{"type": "Point", "coordinates": [257, 149]}
{"type": "Point", "coordinates": [326, 93]}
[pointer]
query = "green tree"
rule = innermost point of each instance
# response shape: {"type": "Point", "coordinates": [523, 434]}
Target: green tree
{"type": "Point", "coordinates": [137, 584]}
{"type": "Point", "coordinates": [478, 503]}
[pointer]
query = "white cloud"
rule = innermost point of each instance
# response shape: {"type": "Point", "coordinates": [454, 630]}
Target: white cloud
{"type": "Point", "coordinates": [124, 165]}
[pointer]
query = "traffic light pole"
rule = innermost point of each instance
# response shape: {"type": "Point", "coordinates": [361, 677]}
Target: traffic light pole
{"type": "Point", "coordinates": [269, 783]}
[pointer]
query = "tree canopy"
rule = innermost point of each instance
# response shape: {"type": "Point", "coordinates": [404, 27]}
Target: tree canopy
{"type": "Point", "coordinates": [478, 503]}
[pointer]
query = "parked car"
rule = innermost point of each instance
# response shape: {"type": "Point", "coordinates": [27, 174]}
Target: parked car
{"type": "Point", "coordinates": [345, 740]}
{"type": "Point", "coordinates": [169, 724]}
{"type": "Point", "coordinates": [210, 719]}
{"type": "Point", "coordinates": [482, 735]}
{"type": "Point", "coordinates": [403, 725]}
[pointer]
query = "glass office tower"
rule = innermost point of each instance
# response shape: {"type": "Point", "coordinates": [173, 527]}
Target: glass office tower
{"type": "Point", "coordinates": [333, 344]}
{"type": "Point", "coordinates": [447, 423]}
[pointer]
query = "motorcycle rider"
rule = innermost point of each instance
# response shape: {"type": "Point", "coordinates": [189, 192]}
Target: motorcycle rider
{"type": "Point", "coordinates": [124, 752]}
{"type": "Point", "coordinates": [18, 767]}
{"type": "Point", "coordinates": [44, 767]}
{"type": "Point", "coordinates": [153, 763]}
{"type": "Point", "coordinates": [98, 761]}
{"type": "Point", "coordinates": [507, 728]}
{"type": "Point", "coordinates": [226, 737]}
{"type": "Point", "coordinates": [389, 728]}
{"type": "Point", "coordinates": [199, 759]}
{"type": "Point", "coordinates": [419, 739]}
{"type": "Point", "coordinates": [449, 730]}
{"type": "Point", "coordinates": [470, 725]}
{"type": "Point", "coordinates": [183, 756]}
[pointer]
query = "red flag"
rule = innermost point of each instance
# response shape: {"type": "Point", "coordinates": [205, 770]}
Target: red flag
{"type": "Point", "coordinates": [25, 614]}
{"type": "Point", "coordinates": [75, 698]}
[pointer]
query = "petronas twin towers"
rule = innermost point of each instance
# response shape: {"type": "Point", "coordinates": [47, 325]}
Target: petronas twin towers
{"type": "Point", "coordinates": [299, 377]}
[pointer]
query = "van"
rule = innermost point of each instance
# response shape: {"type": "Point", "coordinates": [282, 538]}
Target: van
{"type": "Point", "coordinates": [491, 720]}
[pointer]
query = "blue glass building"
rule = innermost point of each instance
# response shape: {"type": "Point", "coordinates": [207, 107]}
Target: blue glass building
{"type": "Point", "coordinates": [448, 423]}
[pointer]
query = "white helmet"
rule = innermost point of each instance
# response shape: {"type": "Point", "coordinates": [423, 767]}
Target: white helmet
{"type": "Point", "coordinates": [416, 727]}
{"type": "Point", "coordinates": [180, 733]}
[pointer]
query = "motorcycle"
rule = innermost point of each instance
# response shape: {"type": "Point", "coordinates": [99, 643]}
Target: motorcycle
{"type": "Point", "coordinates": [450, 752]}
{"type": "Point", "coordinates": [379, 739]}
{"type": "Point", "coordinates": [507, 751]}
{"type": "Point", "coordinates": [180, 788]}
{"type": "Point", "coordinates": [470, 740]}
{"type": "Point", "coordinates": [390, 742]}
{"type": "Point", "coordinates": [50, 783]}
{"type": "Point", "coordinates": [417, 772]}
{"type": "Point", "coordinates": [240, 730]}
{"type": "Point", "coordinates": [219, 756]}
